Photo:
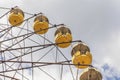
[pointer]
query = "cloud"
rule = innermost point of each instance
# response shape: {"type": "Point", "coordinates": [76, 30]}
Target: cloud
{"type": "Point", "coordinates": [110, 73]}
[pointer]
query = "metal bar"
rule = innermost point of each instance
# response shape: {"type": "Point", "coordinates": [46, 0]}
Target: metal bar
{"type": "Point", "coordinates": [61, 72]}
{"type": "Point", "coordinates": [46, 73]}
{"type": "Point", "coordinates": [9, 77]}
{"type": "Point", "coordinates": [58, 63]}
{"type": "Point", "coordinates": [44, 64]}
{"type": "Point", "coordinates": [45, 54]}
{"type": "Point", "coordinates": [17, 72]}
{"type": "Point", "coordinates": [40, 46]}
{"type": "Point", "coordinates": [77, 74]}
{"type": "Point", "coordinates": [4, 8]}
{"type": "Point", "coordinates": [4, 14]}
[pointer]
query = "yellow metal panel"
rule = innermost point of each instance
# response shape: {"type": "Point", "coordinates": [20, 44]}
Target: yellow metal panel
{"type": "Point", "coordinates": [91, 74]}
{"type": "Point", "coordinates": [16, 19]}
{"type": "Point", "coordinates": [40, 27]}
{"type": "Point", "coordinates": [64, 40]}
{"type": "Point", "coordinates": [82, 59]}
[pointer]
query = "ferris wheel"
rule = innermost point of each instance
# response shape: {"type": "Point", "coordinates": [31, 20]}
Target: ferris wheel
{"type": "Point", "coordinates": [32, 48]}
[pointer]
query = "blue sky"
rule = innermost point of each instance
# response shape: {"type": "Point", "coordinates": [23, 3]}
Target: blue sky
{"type": "Point", "coordinates": [96, 22]}
{"type": "Point", "coordinates": [110, 73]}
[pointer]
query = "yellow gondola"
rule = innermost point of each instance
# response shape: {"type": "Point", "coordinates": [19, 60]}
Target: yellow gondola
{"type": "Point", "coordinates": [63, 37]}
{"type": "Point", "coordinates": [41, 24]}
{"type": "Point", "coordinates": [91, 74]}
{"type": "Point", "coordinates": [81, 56]}
{"type": "Point", "coordinates": [16, 16]}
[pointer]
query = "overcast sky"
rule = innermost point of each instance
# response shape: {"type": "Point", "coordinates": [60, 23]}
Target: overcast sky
{"type": "Point", "coordinates": [96, 22]}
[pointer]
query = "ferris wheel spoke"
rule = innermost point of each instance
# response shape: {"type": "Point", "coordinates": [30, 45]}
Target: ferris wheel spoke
{"type": "Point", "coordinates": [28, 35]}
{"type": "Point", "coordinates": [4, 14]}
{"type": "Point", "coordinates": [47, 73]}
{"type": "Point", "coordinates": [61, 72]}
{"type": "Point", "coordinates": [45, 54]}
{"type": "Point", "coordinates": [22, 29]}
{"type": "Point", "coordinates": [71, 72]}
{"type": "Point", "coordinates": [28, 53]}
{"type": "Point", "coordinates": [18, 42]}
{"type": "Point", "coordinates": [9, 77]}
{"type": "Point", "coordinates": [17, 72]}
{"type": "Point", "coordinates": [5, 32]}
{"type": "Point", "coordinates": [4, 8]}
{"type": "Point", "coordinates": [33, 41]}
{"type": "Point", "coordinates": [68, 62]}
{"type": "Point", "coordinates": [35, 66]}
